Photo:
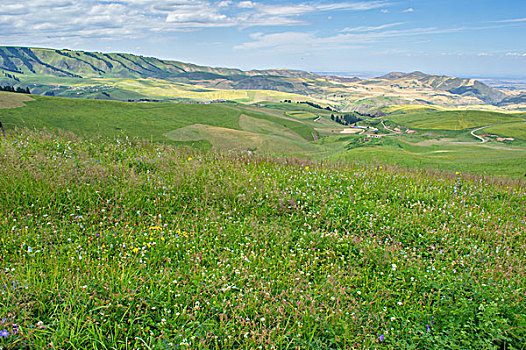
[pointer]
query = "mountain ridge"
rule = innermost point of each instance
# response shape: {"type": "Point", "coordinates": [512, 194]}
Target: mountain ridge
{"type": "Point", "coordinates": [72, 64]}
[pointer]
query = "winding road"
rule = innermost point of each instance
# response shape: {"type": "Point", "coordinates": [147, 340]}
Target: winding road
{"type": "Point", "coordinates": [386, 128]}
{"type": "Point", "coordinates": [483, 140]}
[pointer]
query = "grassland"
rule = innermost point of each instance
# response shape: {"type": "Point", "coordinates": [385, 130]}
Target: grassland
{"type": "Point", "coordinates": [125, 244]}
{"type": "Point", "coordinates": [10, 100]}
{"type": "Point", "coordinates": [432, 119]}
{"type": "Point", "coordinates": [282, 129]}
{"type": "Point", "coordinates": [161, 122]}
{"type": "Point", "coordinates": [515, 130]}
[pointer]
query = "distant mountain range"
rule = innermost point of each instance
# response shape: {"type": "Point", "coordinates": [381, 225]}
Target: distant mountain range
{"type": "Point", "coordinates": [49, 67]}
{"type": "Point", "coordinates": [457, 86]}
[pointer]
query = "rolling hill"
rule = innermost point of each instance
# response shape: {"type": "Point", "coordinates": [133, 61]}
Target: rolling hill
{"type": "Point", "coordinates": [120, 76]}
{"type": "Point", "coordinates": [440, 139]}
{"type": "Point", "coordinates": [457, 86]}
{"type": "Point", "coordinates": [84, 65]}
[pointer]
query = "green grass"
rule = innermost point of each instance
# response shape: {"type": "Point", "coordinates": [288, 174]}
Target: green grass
{"type": "Point", "coordinates": [515, 130]}
{"type": "Point", "coordinates": [92, 118]}
{"type": "Point", "coordinates": [123, 244]}
{"type": "Point", "coordinates": [473, 159]}
{"type": "Point", "coordinates": [230, 127]}
{"type": "Point", "coordinates": [451, 120]}
{"type": "Point", "coordinates": [11, 100]}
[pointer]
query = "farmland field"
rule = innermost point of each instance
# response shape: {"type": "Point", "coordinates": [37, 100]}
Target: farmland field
{"type": "Point", "coordinates": [128, 244]}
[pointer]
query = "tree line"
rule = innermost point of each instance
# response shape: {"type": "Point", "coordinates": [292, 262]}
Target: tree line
{"type": "Point", "coordinates": [346, 119]}
{"type": "Point", "coordinates": [17, 90]}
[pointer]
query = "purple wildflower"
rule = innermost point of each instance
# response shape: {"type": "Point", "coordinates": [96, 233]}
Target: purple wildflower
{"type": "Point", "coordinates": [382, 337]}
{"type": "Point", "coordinates": [14, 284]}
{"type": "Point", "coordinates": [428, 328]}
{"type": "Point", "coordinates": [4, 334]}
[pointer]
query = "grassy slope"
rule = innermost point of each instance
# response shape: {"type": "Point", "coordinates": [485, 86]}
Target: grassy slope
{"type": "Point", "coordinates": [118, 245]}
{"type": "Point", "coordinates": [10, 100]}
{"type": "Point", "coordinates": [157, 122]}
{"type": "Point", "coordinates": [451, 120]}
{"type": "Point", "coordinates": [278, 128]}
{"type": "Point", "coordinates": [448, 146]}
{"type": "Point", "coordinates": [516, 130]}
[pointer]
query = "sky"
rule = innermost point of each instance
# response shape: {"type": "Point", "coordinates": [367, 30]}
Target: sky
{"type": "Point", "coordinates": [468, 38]}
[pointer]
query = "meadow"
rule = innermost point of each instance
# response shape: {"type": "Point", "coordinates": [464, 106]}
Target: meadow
{"type": "Point", "coordinates": [120, 243]}
{"type": "Point", "coordinates": [287, 129]}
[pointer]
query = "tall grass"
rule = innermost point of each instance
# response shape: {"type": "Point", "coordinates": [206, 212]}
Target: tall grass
{"type": "Point", "coordinates": [123, 244]}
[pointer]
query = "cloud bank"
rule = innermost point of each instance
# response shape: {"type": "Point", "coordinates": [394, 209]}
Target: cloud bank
{"type": "Point", "coordinates": [118, 19]}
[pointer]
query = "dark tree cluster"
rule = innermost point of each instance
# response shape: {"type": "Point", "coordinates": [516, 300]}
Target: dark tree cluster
{"type": "Point", "coordinates": [312, 104]}
{"type": "Point", "coordinates": [371, 115]}
{"type": "Point", "coordinates": [11, 76]}
{"type": "Point", "coordinates": [346, 119]}
{"type": "Point", "coordinates": [17, 90]}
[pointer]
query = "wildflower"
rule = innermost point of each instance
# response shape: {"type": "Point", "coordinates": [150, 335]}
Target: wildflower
{"type": "Point", "coordinates": [382, 337]}
{"type": "Point", "coordinates": [189, 158]}
{"type": "Point", "coordinates": [29, 249]}
{"type": "Point", "coordinates": [4, 334]}
{"type": "Point", "coordinates": [307, 168]}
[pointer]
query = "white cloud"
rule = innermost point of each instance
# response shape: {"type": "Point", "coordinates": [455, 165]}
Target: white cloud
{"type": "Point", "coordinates": [120, 19]}
{"type": "Point", "coordinates": [364, 36]}
{"type": "Point", "coordinates": [371, 28]}
{"type": "Point", "coordinates": [516, 54]}
{"type": "Point", "coordinates": [246, 4]}
{"type": "Point", "coordinates": [409, 10]}
{"type": "Point", "coordinates": [513, 20]}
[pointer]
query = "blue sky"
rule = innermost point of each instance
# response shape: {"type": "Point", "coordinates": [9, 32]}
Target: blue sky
{"type": "Point", "coordinates": [482, 38]}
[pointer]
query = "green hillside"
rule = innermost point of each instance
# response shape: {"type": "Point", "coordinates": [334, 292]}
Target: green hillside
{"type": "Point", "coordinates": [124, 244]}
{"type": "Point", "coordinates": [429, 119]}
{"type": "Point", "coordinates": [160, 122]}
{"type": "Point", "coordinates": [121, 76]}
{"type": "Point", "coordinates": [443, 143]}
{"type": "Point", "coordinates": [28, 63]}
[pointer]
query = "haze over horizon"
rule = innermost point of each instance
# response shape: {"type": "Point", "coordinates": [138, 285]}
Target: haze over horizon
{"type": "Point", "coordinates": [463, 38]}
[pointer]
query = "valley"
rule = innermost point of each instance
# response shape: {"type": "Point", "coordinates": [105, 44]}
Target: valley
{"type": "Point", "coordinates": [407, 136]}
